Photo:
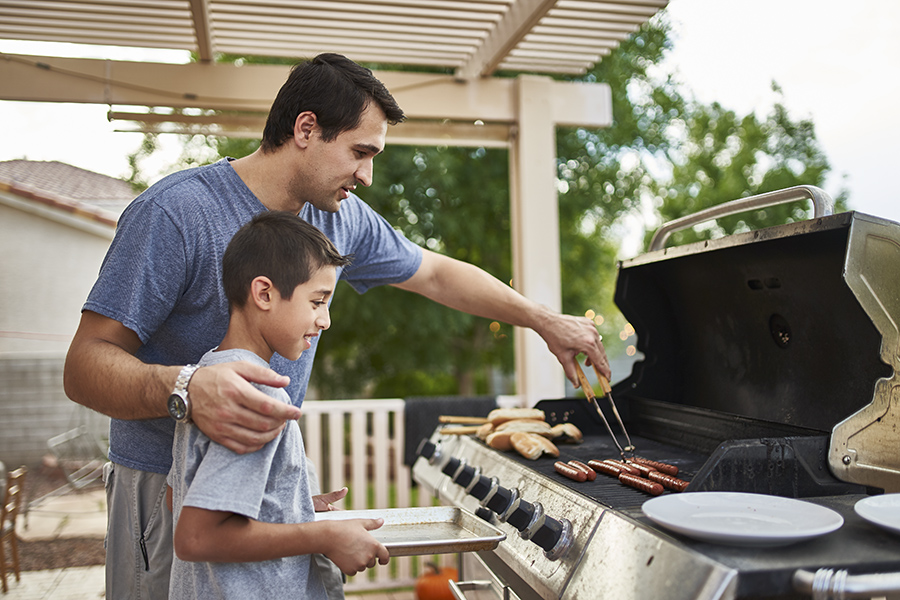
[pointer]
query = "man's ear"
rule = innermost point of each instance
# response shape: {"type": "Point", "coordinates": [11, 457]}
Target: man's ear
{"type": "Point", "coordinates": [262, 292]}
{"type": "Point", "coordinates": [304, 126]}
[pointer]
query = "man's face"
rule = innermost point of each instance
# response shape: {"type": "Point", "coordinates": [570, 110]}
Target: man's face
{"type": "Point", "coordinates": [331, 170]}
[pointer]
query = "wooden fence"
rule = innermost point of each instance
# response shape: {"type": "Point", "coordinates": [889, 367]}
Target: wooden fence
{"type": "Point", "coordinates": [359, 443]}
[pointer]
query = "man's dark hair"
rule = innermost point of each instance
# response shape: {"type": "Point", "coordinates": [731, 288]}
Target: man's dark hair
{"type": "Point", "coordinates": [280, 246]}
{"type": "Point", "coordinates": [333, 87]}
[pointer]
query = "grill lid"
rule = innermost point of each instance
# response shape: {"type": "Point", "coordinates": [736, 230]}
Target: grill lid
{"type": "Point", "coordinates": [795, 324]}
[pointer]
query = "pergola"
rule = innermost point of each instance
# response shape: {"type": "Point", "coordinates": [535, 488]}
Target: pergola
{"type": "Point", "coordinates": [471, 107]}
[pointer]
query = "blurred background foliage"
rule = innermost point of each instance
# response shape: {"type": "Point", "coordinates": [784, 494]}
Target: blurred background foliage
{"type": "Point", "coordinates": [665, 156]}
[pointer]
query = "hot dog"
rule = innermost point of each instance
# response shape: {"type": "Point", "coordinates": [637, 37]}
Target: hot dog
{"type": "Point", "coordinates": [659, 466]}
{"type": "Point", "coordinates": [604, 467]}
{"type": "Point", "coordinates": [569, 471]}
{"type": "Point", "coordinates": [673, 483]}
{"type": "Point", "coordinates": [623, 467]}
{"type": "Point", "coordinates": [645, 485]}
{"type": "Point", "coordinates": [642, 469]}
{"type": "Point", "coordinates": [589, 473]}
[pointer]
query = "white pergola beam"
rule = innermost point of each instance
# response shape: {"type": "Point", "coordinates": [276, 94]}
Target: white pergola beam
{"type": "Point", "coordinates": [251, 88]}
{"type": "Point", "coordinates": [202, 30]}
{"type": "Point", "coordinates": [521, 17]}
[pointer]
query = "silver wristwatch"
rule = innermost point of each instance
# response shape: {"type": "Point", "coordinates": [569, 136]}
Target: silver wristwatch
{"type": "Point", "coordinates": [179, 403]}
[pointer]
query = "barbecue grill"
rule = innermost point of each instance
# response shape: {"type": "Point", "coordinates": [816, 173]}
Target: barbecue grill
{"type": "Point", "coordinates": [769, 366]}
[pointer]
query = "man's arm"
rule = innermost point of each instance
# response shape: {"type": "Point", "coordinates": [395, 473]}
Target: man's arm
{"type": "Point", "coordinates": [216, 536]}
{"type": "Point", "coordinates": [470, 289]}
{"type": "Point", "coordinates": [102, 373]}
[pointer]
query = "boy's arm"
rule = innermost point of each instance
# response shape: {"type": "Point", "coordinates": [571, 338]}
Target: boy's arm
{"type": "Point", "coordinates": [217, 536]}
{"type": "Point", "coordinates": [103, 373]}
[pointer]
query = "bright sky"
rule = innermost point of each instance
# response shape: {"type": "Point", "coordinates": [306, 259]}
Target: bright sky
{"type": "Point", "coordinates": [837, 62]}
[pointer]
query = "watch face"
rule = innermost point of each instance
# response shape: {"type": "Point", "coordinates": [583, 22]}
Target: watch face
{"type": "Point", "coordinates": [177, 407]}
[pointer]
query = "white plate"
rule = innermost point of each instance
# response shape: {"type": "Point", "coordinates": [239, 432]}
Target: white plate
{"type": "Point", "coordinates": [741, 519]}
{"type": "Point", "coordinates": [883, 511]}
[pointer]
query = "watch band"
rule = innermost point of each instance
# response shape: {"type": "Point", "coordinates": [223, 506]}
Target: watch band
{"type": "Point", "coordinates": [181, 387]}
{"type": "Point", "coordinates": [184, 377]}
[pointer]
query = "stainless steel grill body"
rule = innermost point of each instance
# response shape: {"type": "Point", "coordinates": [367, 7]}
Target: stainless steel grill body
{"type": "Point", "coordinates": [770, 366]}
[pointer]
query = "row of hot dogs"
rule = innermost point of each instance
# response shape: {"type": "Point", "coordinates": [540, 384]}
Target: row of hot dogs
{"type": "Point", "coordinates": [646, 475]}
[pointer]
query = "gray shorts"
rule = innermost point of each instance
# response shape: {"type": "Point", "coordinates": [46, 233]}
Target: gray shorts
{"type": "Point", "coordinates": [138, 534]}
{"type": "Point", "coordinates": [139, 537]}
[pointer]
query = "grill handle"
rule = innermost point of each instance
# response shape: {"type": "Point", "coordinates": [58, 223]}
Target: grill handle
{"type": "Point", "coordinates": [826, 584]}
{"type": "Point", "coordinates": [458, 590]}
{"type": "Point", "coordinates": [823, 206]}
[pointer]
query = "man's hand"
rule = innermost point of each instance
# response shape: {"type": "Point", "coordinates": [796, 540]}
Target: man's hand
{"type": "Point", "coordinates": [569, 336]}
{"type": "Point", "coordinates": [234, 413]}
{"type": "Point", "coordinates": [354, 549]}
{"type": "Point", "coordinates": [325, 502]}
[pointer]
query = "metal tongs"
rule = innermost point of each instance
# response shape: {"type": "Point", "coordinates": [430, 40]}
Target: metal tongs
{"type": "Point", "coordinates": [607, 391]}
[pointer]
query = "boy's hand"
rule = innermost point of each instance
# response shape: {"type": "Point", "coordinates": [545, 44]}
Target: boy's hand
{"type": "Point", "coordinates": [325, 502]}
{"type": "Point", "coordinates": [234, 413]}
{"type": "Point", "coordinates": [353, 548]}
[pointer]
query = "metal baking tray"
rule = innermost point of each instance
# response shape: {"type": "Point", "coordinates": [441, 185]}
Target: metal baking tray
{"type": "Point", "coordinates": [426, 530]}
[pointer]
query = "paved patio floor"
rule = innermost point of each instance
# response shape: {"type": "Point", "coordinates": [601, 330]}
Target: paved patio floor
{"type": "Point", "coordinates": [84, 515]}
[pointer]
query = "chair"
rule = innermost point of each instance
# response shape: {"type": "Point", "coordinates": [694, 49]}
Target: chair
{"type": "Point", "coordinates": [15, 489]}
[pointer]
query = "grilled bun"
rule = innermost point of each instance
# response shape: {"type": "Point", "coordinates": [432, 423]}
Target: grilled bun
{"type": "Point", "coordinates": [501, 415]}
{"type": "Point", "coordinates": [532, 445]}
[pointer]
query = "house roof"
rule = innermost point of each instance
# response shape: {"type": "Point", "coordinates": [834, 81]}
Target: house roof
{"type": "Point", "coordinates": [65, 187]}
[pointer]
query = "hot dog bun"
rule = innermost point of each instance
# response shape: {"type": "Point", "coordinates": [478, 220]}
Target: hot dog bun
{"type": "Point", "coordinates": [501, 415]}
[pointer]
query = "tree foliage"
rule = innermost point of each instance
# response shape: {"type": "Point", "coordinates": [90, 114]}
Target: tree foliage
{"type": "Point", "coordinates": [665, 155]}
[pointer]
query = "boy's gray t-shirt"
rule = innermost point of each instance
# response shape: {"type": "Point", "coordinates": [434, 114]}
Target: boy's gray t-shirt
{"type": "Point", "coordinates": [162, 279]}
{"type": "Point", "coordinates": [269, 485]}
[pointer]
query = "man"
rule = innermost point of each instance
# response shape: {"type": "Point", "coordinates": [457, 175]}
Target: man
{"type": "Point", "coordinates": [158, 305]}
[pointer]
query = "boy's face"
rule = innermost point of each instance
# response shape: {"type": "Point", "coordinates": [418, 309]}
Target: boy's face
{"type": "Point", "coordinates": [295, 322]}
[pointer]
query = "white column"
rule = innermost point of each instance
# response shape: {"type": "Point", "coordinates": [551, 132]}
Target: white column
{"type": "Point", "coordinates": [535, 233]}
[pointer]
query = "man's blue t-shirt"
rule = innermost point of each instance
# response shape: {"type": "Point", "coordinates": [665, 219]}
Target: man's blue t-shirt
{"type": "Point", "coordinates": [162, 279]}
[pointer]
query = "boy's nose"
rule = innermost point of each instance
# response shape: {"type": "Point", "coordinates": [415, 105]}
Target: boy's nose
{"type": "Point", "coordinates": [324, 321]}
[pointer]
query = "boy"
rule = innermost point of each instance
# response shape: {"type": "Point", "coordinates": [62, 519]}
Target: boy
{"type": "Point", "coordinates": [244, 523]}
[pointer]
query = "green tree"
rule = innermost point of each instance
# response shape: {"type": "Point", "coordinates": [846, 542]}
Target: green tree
{"type": "Point", "coordinates": [722, 156]}
{"type": "Point", "coordinates": [454, 201]}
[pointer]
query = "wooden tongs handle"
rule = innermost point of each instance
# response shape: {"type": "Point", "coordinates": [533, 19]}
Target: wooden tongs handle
{"type": "Point", "coordinates": [607, 391]}
{"type": "Point", "coordinates": [462, 420]}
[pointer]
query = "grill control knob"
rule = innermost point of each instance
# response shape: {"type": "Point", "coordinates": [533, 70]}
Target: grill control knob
{"type": "Point", "coordinates": [484, 513]}
{"type": "Point", "coordinates": [500, 500]}
{"type": "Point", "coordinates": [480, 487]}
{"type": "Point", "coordinates": [464, 476]}
{"type": "Point", "coordinates": [554, 536]}
{"type": "Point", "coordinates": [430, 451]}
{"type": "Point", "coordinates": [426, 448]}
{"type": "Point", "coordinates": [451, 467]}
{"type": "Point", "coordinates": [521, 515]}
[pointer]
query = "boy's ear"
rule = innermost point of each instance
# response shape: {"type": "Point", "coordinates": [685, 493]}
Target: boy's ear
{"type": "Point", "coordinates": [261, 292]}
{"type": "Point", "coordinates": [304, 125]}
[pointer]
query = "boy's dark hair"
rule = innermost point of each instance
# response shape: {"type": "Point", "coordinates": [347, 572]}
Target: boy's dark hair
{"type": "Point", "coordinates": [333, 87]}
{"type": "Point", "coordinates": [280, 246]}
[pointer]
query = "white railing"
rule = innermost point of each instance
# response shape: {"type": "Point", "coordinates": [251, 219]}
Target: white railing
{"type": "Point", "coordinates": [359, 443]}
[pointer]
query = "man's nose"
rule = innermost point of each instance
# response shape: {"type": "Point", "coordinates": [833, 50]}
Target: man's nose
{"type": "Point", "coordinates": [365, 173]}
